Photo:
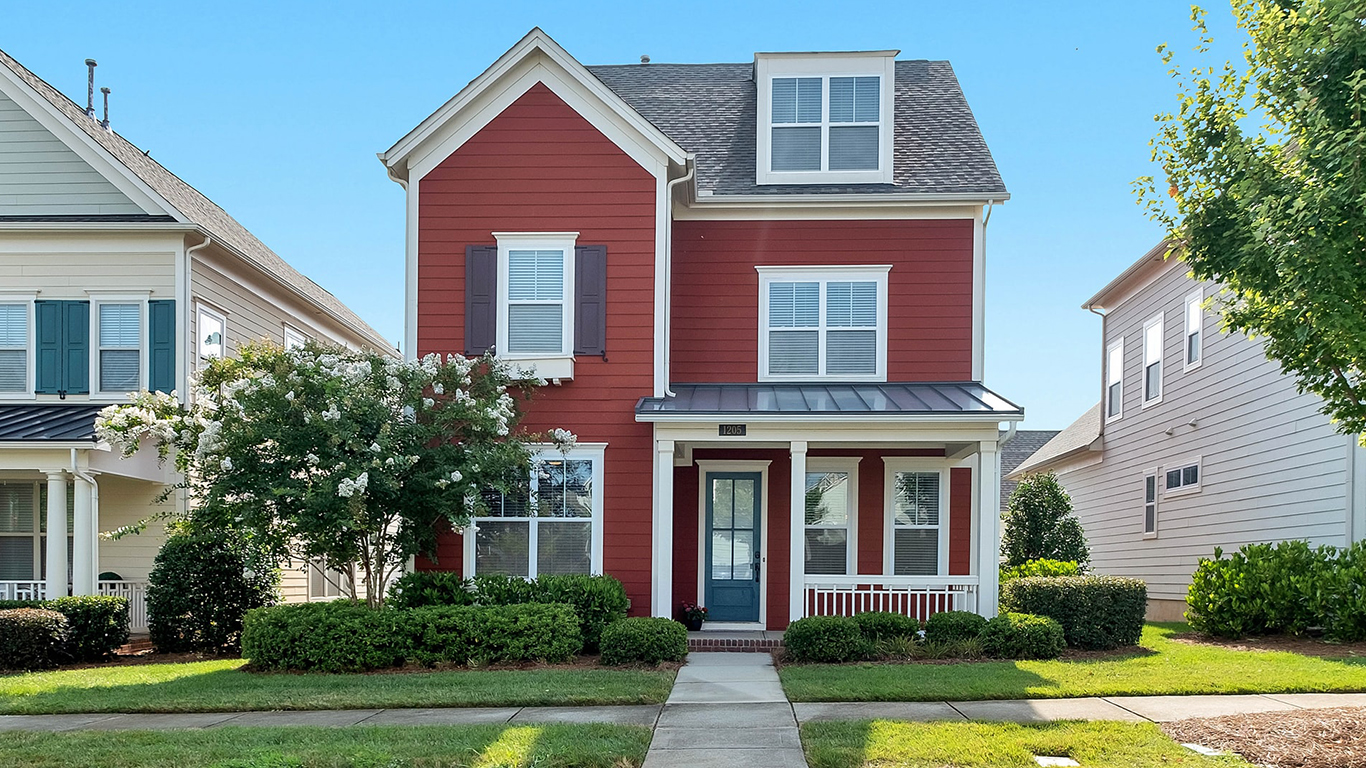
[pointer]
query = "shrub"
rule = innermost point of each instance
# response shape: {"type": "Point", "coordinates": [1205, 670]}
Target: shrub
{"type": "Point", "coordinates": [32, 638]}
{"type": "Point", "coordinates": [98, 624]}
{"type": "Point", "coordinates": [1041, 567]}
{"type": "Point", "coordinates": [598, 601]}
{"type": "Point", "coordinates": [1023, 636]}
{"type": "Point", "coordinates": [198, 591]}
{"type": "Point", "coordinates": [498, 589]}
{"type": "Point", "coordinates": [1265, 589]}
{"type": "Point", "coordinates": [953, 626]}
{"type": "Point", "coordinates": [898, 649]}
{"type": "Point", "coordinates": [881, 625]}
{"type": "Point", "coordinates": [1039, 524]}
{"type": "Point", "coordinates": [1096, 612]}
{"type": "Point", "coordinates": [644, 640]}
{"type": "Point", "coordinates": [1340, 605]}
{"type": "Point", "coordinates": [423, 588]}
{"type": "Point", "coordinates": [478, 635]}
{"type": "Point", "coordinates": [825, 639]}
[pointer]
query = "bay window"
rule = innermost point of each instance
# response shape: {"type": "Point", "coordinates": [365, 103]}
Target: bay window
{"type": "Point", "coordinates": [823, 323]}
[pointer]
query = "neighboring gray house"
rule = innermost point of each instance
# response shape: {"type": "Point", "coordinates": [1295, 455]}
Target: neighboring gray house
{"type": "Point", "coordinates": [1199, 441]}
{"type": "Point", "coordinates": [1015, 449]}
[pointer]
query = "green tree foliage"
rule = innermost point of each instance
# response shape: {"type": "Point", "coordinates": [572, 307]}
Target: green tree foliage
{"type": "Point", "coordinates": [1039, 524]}
{"type": "Point", "coordinates": [199, 589]}
{"type": "Point", "coordinates": [1265, 188]}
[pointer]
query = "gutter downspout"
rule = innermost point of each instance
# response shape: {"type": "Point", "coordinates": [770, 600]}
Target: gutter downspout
{"type": "Point", "coordinates": [94, 531]}
{"type": "Point", "coordinates": [1104, 406]}
{"type": "Point", "coordinates": [669, 272]}
{"type": "Point", "coordinates": [187, 350]}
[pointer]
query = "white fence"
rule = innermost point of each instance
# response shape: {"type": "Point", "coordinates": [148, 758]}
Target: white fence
{"type": "Point", "coordinates": [917, 596]}
{"type": "Point", "coordinates": [22, 590]}
{"type": "Point", "coordinates": [134, 591]}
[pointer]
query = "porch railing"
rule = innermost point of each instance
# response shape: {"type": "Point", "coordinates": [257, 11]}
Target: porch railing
{"type": "Point", "coordinates": [917, 596]}
{"type": "Point", "coordinates": [136, 593]}
{"type": "Point", "coordinates": [22, 590]}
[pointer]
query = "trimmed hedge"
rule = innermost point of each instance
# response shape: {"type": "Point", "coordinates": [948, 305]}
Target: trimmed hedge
{"type": "Point", "coordinates": [885, 625]}
{"type": "Point", "coordinates": [953, 626]}
{"type": "Point", "coordinates": [198, 591]}
{"type": "Point", "coordinates": [1023, 636]}
{"type": "Point", "coordinates": [644, 640]}
{"type": "Point", "coordinates": [825, 639]}
{"type": "Point", "coordinates": [97, 624]}
{"type": "Point", "coordinates": [342, 636]}
{"type": "Point", "coordinates": [423, 588]}
{"type": "Point", "coordinates": [33, 638]}
{"type": "Point", "coordinates": [1096, 612]}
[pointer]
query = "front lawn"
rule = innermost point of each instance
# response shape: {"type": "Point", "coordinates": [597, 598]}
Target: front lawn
{"type": "Point", "coordinates": [221, 686]}
{"type": "Point", "coordinates": [982, 745]}
{"type": "Point", "coordinates": [1160, 665]}
{"type": "Point", "coordinates": [476, 746]}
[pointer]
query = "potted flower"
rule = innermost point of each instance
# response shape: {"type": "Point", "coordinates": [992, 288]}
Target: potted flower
{"type": "Point", "coordinates": [693, 616]}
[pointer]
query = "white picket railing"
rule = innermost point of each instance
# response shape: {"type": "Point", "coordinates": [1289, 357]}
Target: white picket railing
{"type": "Point", "coordinates": [22, 590]}
{"type": "Point", "coordinates": [136, 593]}
{"type": "Point", "coordinates": [917, 596]}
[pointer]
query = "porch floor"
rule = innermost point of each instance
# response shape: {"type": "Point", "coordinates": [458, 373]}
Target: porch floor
{"type": "Point", "coordinates": [739, 640]}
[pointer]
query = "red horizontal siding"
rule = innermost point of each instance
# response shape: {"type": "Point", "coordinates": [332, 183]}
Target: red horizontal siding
{"type": "Point", "coordinates": [715, 325]}
{"type": "Point", "coordinates": [960, 521]}
{"type": "Point", "coordinates": [540, 167]}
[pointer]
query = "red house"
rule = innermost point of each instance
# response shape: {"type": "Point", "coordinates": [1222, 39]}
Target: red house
{"type": "Point", "coordinates": [745, 284]}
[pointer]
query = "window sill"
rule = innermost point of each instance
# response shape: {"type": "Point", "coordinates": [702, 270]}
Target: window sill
{"type": "Point", "coordinates": [550, 368]}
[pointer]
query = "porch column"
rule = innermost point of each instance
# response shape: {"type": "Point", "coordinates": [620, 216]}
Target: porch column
{"type": "Point", "coordinates": [662, 562]}
{"type": "Point", "coordinates": [989, 540]}
{"type": "Point", "coordinates": [797, 557]}
{"type": "Point", "coordinates": [56, 535]}
{"type": "Point", "coordinates": [83, 545]}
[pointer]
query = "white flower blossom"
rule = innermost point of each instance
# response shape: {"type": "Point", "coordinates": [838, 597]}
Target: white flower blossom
{"type": "Point", "coordinates": [348, 487]}
{"type": "Point", "coordinates": [226, 463]}
{"type": "Point", "coordinates": [439, 388]}
{"type": "Point", "coordinates": [331, 414]}
{"type": "Point", "coordinates": [374, 448]}
{"type": "Point", "coordinates": [427, 402]}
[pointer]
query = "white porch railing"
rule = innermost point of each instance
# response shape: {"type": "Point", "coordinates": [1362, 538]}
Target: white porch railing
{"type": "Point", "coordinates": [136, 593]}
{"type": "Point", "coordinates": [22, 590]}
{"type": "Point", "coordinates": [917, 596]}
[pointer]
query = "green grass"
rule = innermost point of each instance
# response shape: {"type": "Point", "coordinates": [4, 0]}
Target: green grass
{"type": "Point", "coordinates": [1160, 666]}
{"type": "Point", "coordinates": [475, 746]}
{"type": "Point", "coordinates": [220, 686]}
{"type": "Point", "coordinates": [970, 745]}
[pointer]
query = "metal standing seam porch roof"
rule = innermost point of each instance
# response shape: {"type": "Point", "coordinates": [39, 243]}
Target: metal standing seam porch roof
{"type": "Point", "coordinates": [36, 422]}
{"type": "Point", "coordinates": [824, 400]}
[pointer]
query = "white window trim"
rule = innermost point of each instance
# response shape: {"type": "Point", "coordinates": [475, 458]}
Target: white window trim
{"type": "Point", "coordinates": [874, 64]}
{"type": "Point", "coordinates": [294, 334]}
{"type": "Point", "coordinates": [893, 465]}
{"type": "Point", "coordinates": [96, 300]}
{"type": "Point", "coordinates": [1183, 490]}
{"type": "Point", "coordinates": [546, 365]}
{"type": "Point", "coordinates": [848, 465]}
{"type": "Point", "coordinates": [31, 358]}
{"type": "Point", "coordinates": [596, 452]}
{"type": "Point", "coordinates": [1156, 474]}
{"type": "Point", "coordinates": [202, 308]}
{"type": "Point", "coordinates": [342, 593]}
{"type": "Point", "coordinates": [1158, 321]}
{"type": "Point", "coordinates": [823, 275]}
{"type": "Point", "coordinates": [1194, 297]}
{"type": "Point", "coordinates": [1109, 371]}
{"type": "Point", "coordinates": [38, 535]}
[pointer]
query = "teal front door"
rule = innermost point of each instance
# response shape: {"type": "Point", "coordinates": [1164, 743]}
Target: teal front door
{"type": "Point", "coordinates": [732, 557]}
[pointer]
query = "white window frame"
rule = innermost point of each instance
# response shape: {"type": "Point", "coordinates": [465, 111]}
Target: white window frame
{"type": "Point", "coordinates": [596, 452]}
{"type": "Point", "coordinates": [879, 64]}
{"type": "Point", "coordinates": [891, 466]}
{"type": "Point", "coordinates": [547, 365]}
{"type": "Point", "coordinates": [849, 466]}
{"type": "Point", "coordinates": [1114, 375]}
{"type": "Point", "coordinates": [201, 309]}
{"type": "Point", "coordinates": [824, 275]}
{"type": "Point", "coordinates": [332, 579]}
{"type": "Point", "coordinates": [1157, 321]}
{"type": "Point", "coordinates": [27, 299]}
{"type": "Point", "coordinates": [1196, 297]}
{"type": "Point", "coordinates": [39, 534]}
{"type": "Point", "coordinates": [96, 301]}
{"type": "Point", "coordinates": [1184, 490]}
{"type": "Point", "coordinates": [1155, 474]}
{"type": "Point", "coordinates": [294, 337]}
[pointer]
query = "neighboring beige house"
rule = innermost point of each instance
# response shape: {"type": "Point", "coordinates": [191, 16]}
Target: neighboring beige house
{"type": "Point", "coordinates": [1199, 441]}
{"type": "Point", "coordinates": [115, 276]}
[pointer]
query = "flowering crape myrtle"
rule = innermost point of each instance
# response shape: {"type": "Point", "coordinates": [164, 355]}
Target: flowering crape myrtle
{"type": "Point", "coordinates": [350, 459]}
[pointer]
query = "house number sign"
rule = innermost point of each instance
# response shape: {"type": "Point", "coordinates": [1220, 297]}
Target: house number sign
{"type": "Point", "coordinates": [731, 430]}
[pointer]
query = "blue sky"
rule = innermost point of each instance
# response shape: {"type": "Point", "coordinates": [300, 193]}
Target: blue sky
{"type": "Point", "coordinates": [275, 110]}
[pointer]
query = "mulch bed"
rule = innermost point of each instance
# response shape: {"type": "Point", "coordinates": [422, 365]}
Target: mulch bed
{"type": "Point", "coordinates": [1310, 738]}
{"type": "Point", "coordinates": [1305, 646]}
{"type": "Point", "coordinates": [780, 659]}
{"type": "Point", "coordinates": [577, 663]}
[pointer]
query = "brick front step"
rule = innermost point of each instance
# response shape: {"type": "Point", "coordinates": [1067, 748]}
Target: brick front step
{"type": "Point", "coordinates": [735, 641]}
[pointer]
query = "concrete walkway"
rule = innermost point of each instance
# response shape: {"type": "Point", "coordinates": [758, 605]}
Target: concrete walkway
{"type": "Point", "coordinates": [726, 709]}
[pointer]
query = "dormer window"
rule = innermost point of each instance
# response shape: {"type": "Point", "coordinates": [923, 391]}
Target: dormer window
{"type": "Point", "coordinates": [825, 118]}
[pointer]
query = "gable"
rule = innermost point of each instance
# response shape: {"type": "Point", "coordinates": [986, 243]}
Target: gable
{"type": "Point", "coordinates": [41, 176]}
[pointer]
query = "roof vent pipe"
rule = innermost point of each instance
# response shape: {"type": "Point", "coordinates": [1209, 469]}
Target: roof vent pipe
{"type": "Point", "coordinates": [645, 58]}
{"type": "Point", "coordinates": [105, 122]}
{"type": "Point", "coordinates": [90, 89]}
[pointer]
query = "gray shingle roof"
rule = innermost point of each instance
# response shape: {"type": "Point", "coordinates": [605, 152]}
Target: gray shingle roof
{"type": "Point", "coordinates": [1016, 450]}
{"type": "Point", "coordinates": [710, 110]}
{"type": "Point", "coordinates": [47, 421]}
{"type": "Point", "coordinates": [1078, 437]}
{"type": "Point", "coordinates": [199, 209]}
{"type": "Point", "coordinates": [809, 399]}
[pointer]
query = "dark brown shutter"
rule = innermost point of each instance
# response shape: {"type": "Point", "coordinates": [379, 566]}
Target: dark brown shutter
{"type": "Point", "coordinates": [481, 298]}
{"type": "Point", "coordinates": [590, 300]}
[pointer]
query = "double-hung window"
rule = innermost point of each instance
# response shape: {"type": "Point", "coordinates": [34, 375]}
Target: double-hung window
{"type": "Point", "coordinates": [823, 324]}
{"type": "Point", "coordinates": [831, 504]}
{"type": "Point", "coordinates": [120, 354]}
{"type": "Point", "coordinates": [327, 583]}
{"type": "Point", "coordinates": [1150, 503]}
{"type": "Point", "coordinates": [294, 338]}
{"type": "Point", "coordinates": [1195, 330]}
{"type": "Point", "coordinates": [1152, 361]}
{"type": "Point", "coordinates": [1114, 380]}
{"type": "Point", "coordinates": [23, 530]}
{"type": "Point", "coordinates": [211, 332]}
{"type": "Point", "coordinates": [536, 289]}
{"type": "Point", "coordinates": [547, 523]}
{"type": "Point", "coordinates": [14, 349]}
{"type": "Point", "coordinates": [917, 506]}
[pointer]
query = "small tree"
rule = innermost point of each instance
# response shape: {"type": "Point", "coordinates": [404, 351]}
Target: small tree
{"type": "Point", "coordinates": [1039, 524]}
{"type": "Point", "coordinates": [350, 460]}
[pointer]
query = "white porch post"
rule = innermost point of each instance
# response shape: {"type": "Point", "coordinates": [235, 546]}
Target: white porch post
{"type": "Point", "coordinates": [989, 539]}
{"type": "Point", "coordinates": [83, 545]}
{"type": "Point", "coordinates": [56, 534]}
{"type": "Point", "coordinates": [797, 556]}
{"type": "Point", "coordinates": [662, 562]}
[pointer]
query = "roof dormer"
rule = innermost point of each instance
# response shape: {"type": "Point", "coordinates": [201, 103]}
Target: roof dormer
{"type": "Point", "coordinates": [825, 118]}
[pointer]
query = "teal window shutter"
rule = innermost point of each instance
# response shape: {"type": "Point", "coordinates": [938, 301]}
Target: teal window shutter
{"type": "Point", "coordinates": [50, 321]}
{"type": "Point", "coordinates": [161, 342]}
{"type": "Point", "coordinates": [76, 350]}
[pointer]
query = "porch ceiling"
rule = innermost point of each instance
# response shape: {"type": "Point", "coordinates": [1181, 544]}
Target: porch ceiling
{"type": "Point", "coordinates": [37, 422]}
{"type": "Point", "coordinates": [828, 400]}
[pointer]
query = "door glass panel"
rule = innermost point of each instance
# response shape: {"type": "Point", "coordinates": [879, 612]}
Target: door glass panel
{"type": "Point", "coordinates": [744, 504]}
{"type": "Point", "coordinates": [742, 561]}
{"type": "Point", "coordinates": [721, 555]}
{"type": "Point", "coordinates": [722, 493]}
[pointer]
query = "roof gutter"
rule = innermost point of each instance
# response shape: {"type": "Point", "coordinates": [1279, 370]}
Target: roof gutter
{"type": "Point", "coordinates": [669, 271]}
{"type": "Point", "coordinates": [720, 201]}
